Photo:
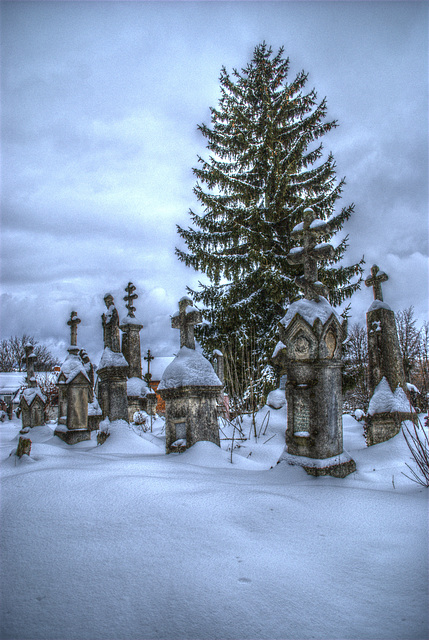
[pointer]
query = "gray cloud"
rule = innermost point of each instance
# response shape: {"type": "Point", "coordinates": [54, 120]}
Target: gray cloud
{"type": "Point", "coordinates": [100, 106]}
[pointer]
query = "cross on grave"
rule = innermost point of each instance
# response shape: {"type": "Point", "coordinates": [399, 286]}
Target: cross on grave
{"type": "Point", "coordinates": [185, 319]}
{"type": "Point", "coordinates": [375, 280]}
{"type": "Point", "coordinates": [310, 230]}
{"type": "Point", "coordinates": [130, 288]}
{"type": "Point", "coordinates": [73, 322]}
{"type": "Point", "coordinates": [149, 357]}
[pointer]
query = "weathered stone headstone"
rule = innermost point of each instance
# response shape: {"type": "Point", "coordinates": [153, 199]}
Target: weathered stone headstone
{"type": "Point", "coordinates": [309, 353]}
{"type": "Point", "coordinates": [389, 404]}
{"type": "Point", "coordinates": [113, 367]}
{"type": "Point", "coordinates": [189, 387]}
{"type": "Point", "coordinates": [33, 401]}
{"type": "Point", "coordinates": [74, 391]}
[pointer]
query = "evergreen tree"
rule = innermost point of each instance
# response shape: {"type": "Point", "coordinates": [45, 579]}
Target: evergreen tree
{"type": "Point", "coordinates": [262, 172]}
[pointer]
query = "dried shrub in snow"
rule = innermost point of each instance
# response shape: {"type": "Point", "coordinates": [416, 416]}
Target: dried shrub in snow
{"type": "Point", "coordinates": [418, 443]}
{"type": "Point", "coordinates": [102, 436]}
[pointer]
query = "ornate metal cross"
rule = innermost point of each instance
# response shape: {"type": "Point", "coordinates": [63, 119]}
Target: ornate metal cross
{"type": "Point", "coordinates": [310, 231]}
{"type": "Point", "coordinates": [149, 357]}
{"type": "Point", "coordinates": [185, 319]}
{"type": "Point", "coordinates": [375, 280]}
{"type": "Point", "coordinates": [129, 299]}
{"type": "Point", "coordinates": [73, 322]}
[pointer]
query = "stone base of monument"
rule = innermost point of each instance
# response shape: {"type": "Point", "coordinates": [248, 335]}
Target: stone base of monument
{"type": "Point", "coordinates": [382, 426]}
{"type": "Point", "coordinates": [72, 436]}
{"type": "Point", "coordinates": [338, 466]}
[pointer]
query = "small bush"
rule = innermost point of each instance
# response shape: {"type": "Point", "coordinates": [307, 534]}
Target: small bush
{"type": "Point", "coordinates": [418, 443]}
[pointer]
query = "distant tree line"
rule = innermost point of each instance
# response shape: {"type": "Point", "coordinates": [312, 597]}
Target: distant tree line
{"type": "Point", "coordinates": [12, 354]}
{"type": "Point", "coordinates": [414, 343]}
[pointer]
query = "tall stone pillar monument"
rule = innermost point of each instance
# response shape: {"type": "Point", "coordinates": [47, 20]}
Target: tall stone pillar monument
{"type": "Point", "coordinates": [309, 352]}
{"type": "Point", "coordinates": [131, 328]}
{"type": "Point", "coordinates": [389, 404]}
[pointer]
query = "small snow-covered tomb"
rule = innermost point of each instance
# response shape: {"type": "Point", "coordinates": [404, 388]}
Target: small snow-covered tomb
{"type": "Point", "coordinates": [190, 388]}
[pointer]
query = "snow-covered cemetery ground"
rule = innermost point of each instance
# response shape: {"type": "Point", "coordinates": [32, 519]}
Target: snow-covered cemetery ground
{"type": "Point", "coordinates": [120, 541]}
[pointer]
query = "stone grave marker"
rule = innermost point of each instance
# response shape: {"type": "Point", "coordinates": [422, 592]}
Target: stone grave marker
{"type": "Point", "coordinates": [189, 387]}
{"type": "Point", "coordinates": [389, 404]}
{"type": "Point", "coordinates": [309, 354]}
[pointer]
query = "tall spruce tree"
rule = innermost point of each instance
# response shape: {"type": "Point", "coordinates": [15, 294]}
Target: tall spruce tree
{"type": "Point", "coordinates": [265, 168]}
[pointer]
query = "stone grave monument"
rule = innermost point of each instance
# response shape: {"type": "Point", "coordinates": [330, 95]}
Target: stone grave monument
{"type": "Point", "coordinates": [189, 387]}
{"type": "Point", "coordinates": [33, 401]}
{"type": "Point", "coordinates": [74, 391]}
{"type": "Point", "coordinates": [389, 404]}
{"type": "Point", "coordinates": [140, 396]}
{"type": "Point", "coordinates": [113, 367]}
{"type": "Point", "coordinates": [309, 353]}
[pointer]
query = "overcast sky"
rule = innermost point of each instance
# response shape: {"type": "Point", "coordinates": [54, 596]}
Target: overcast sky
{"type": "Point", "coordinates": [100, 107]}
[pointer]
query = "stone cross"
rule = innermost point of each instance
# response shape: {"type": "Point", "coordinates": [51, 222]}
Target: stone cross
{"type": "Point", "coordinates": [149, 357]}
{"type": "Point", "coordinates": [375, 280]}
{"type": "Point", "coordinates": [185, 319]}
{"type": "Point", "coordinates": [309, 254]}
{"type": "Point", "coordinates": [129, 299]}
{"type": "Point", "coordinates": [73, 322]}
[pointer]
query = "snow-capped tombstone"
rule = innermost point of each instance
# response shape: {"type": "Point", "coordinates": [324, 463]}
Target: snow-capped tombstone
{"type": "Point", "coordinates": [385, 368]}
{"type": "Point", "coordinates": [113, 367]}
{"type": "Point", "coordinates": [32, 402]}
{"type": "Point", "coordinates": [74, 391]}
{"type": "Point", "coordinates": [309, 353]}
{"type": "Point", "coordinates": [190, 388]}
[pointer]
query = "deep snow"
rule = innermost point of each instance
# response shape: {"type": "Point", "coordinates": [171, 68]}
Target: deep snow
{"type": "Point", "coordinates": [123, 542]}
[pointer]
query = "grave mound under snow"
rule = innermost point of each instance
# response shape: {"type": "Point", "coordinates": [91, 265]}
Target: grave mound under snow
{"type": "Point", "coordinates": [310, 310]}
{"type": "Point", "coordinates": [208, 454]}
{"type": "Point", "coordinates": [189, 369]}
{"type": "Point", "coordinates": [123, 439]}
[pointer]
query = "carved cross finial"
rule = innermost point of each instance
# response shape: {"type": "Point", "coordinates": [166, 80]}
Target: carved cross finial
{"type": "Point", "coordinates": [185, 319]}
{"type": "Point", "coordinates": [129, 299]}
{"type": "Point", "coordinates": [149, 357]}
{"type": "Point", "coordinates": [375, 280]}
{"type": "Point", "coordinates": [73, 322]}
{"type": "Point", "coordinates": [310, 230]}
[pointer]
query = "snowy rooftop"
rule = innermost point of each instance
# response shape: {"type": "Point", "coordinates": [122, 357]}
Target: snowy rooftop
{"type": "Point", "coordinates": [189, 368]}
